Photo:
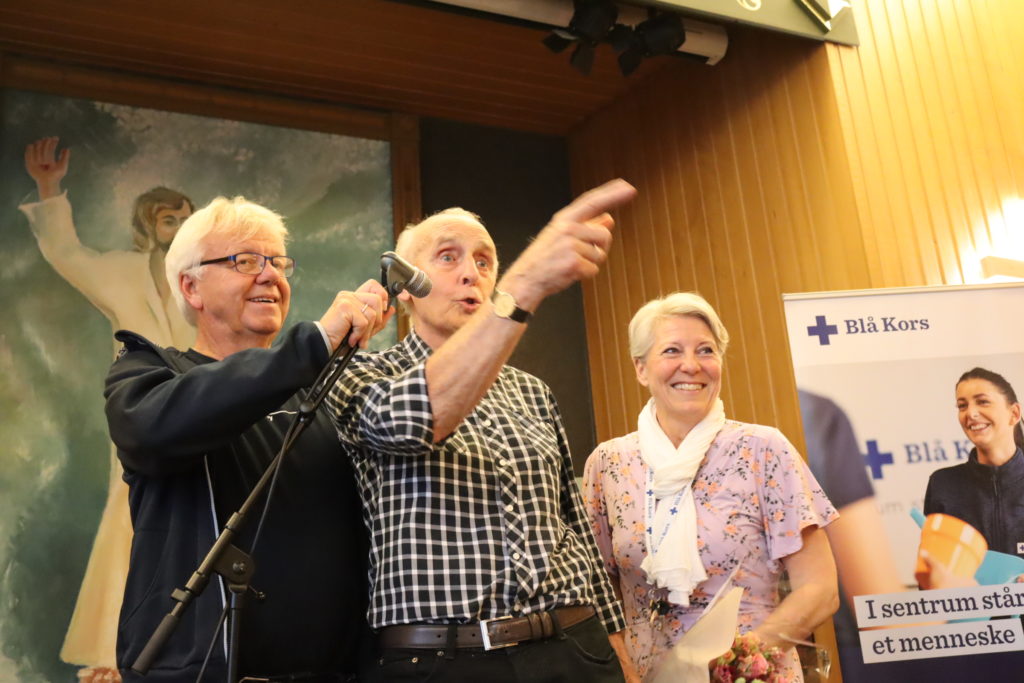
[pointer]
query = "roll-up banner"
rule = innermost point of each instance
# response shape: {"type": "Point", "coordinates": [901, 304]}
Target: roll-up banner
{"type": "Point", "coordinates": [888, 360]}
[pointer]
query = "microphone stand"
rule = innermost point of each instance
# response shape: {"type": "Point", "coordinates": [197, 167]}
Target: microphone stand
{"type": "Point", "coordinates": [226, 559]}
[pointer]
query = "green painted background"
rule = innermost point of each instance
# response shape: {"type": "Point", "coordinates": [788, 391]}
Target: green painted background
{"type": "Point", "coordinates": [335, 193]}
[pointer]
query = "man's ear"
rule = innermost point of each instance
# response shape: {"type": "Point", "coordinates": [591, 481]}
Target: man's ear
{"type": "Point", "coordinates": [404, 296]}
{"type": "Point", "coordinates": [190, 291]}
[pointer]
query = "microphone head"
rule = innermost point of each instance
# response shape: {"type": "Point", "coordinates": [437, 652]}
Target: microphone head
{"type": "Point", "coordinates": [398, 274]}
{"type": "Point", "coordinates": [419, 284]}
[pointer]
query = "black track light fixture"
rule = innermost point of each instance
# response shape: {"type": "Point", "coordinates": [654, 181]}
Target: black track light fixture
{"type": "Point", "coordinates": [592, 22]}
{"type": "Point", "coordinates": [661, 34]}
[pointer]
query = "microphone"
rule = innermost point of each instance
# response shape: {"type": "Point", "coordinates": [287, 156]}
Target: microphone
{"type": "Point", "coordinates": [399, 274]}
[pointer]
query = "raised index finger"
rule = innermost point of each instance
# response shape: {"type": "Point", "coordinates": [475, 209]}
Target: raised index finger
{"type": "Point", "coordinates": [597, 201]}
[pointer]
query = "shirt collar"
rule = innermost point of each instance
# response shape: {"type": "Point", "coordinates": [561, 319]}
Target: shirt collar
{"type": "Point", "coordinates": [415, 347]}
{"type": "Point", "coordinates": [1011, 469]}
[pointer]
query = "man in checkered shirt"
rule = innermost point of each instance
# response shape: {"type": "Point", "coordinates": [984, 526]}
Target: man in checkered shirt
{"type": "Point", "coordinates": [483, 565]}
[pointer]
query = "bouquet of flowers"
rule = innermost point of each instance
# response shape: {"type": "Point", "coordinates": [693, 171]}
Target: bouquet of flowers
{"type": "Point", "coordinates": [749, 661]}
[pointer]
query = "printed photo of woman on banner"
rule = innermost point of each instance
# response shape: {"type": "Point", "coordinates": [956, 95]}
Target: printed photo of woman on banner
{"type": "Point", "coordinates": [986, 491]}
{"type": "Point", "coordinates": [898, 426]}
{"type": "Point", "coordinates": [94, 195]}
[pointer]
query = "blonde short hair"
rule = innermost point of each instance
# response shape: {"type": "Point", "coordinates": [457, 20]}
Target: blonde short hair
{"type": "Point", "coordinates": [235, 219]}
{"type": "Point", "coordinates": [677, 304]}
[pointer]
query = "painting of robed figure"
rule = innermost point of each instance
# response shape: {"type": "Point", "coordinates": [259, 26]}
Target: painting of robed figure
{"type": "Point", "coordinates": [94, 193]}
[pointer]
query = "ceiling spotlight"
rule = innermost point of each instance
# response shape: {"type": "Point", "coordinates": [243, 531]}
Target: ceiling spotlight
{"type": "Point", "coordinates": [661, 34]}
{"type": "Point", "coordinates": [592, 22]}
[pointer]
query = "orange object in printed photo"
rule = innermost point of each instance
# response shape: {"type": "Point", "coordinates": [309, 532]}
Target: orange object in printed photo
{"type": "Point", "coordinates": [953, 542]}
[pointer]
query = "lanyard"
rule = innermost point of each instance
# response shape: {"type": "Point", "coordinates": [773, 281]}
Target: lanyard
{"type": "Point", "coordinates": [652, 544]}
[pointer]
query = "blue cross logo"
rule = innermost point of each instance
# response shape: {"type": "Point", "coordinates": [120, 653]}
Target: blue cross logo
{"type": "Point", "coordinates": [822, 330]}
{"type": "Point", "coordinates": [875, 459]}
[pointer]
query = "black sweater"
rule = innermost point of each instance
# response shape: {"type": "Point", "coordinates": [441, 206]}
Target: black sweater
{"type": "Point", "coordinates": [991, 499]}
{"type": "Point", "coordinates": [194, 435]}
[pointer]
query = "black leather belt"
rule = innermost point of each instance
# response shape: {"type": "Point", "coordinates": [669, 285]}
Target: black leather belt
{"type": "Point", "coordinates": [488, 634]}
{"type": "Point", "coordinates": [297, 678]}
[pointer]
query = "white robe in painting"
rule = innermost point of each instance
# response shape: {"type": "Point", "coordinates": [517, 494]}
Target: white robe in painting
{"type": "Point", "coordinates": [122, 285]}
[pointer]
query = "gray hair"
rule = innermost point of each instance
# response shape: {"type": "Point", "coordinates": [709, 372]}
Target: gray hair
{"type": "Point", "coordinates": [412, 239]}
{"type": "Point", "coordinates": [677, 304]}
{"type": "Point", "coordinates": [235, 219]}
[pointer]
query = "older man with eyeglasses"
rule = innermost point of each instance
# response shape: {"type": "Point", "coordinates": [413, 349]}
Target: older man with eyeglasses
{"type": "Point", "coordinates": [196, 428]}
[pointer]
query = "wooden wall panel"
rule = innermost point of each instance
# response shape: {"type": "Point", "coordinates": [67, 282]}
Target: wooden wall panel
{"type": "Point", "coordinates": [931, 106]}
{"type": "Point", "coordinates": [794, 167]}
{"type": "Point", "coordinates": [745, 193]}
{"type": "Point", "coordinates": [392, 56]}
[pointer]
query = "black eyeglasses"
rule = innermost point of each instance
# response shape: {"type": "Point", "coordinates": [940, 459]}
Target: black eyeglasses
{"type": "Point", "coordinates": [250, 263]}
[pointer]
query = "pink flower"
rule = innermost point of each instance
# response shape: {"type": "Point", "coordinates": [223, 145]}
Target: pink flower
{"type": "Point", "coordinates": [721, 674]}
{"type": "Point", "coordinates": [758, 665]}
{"type": "Point", "coordinates": [750, 661]}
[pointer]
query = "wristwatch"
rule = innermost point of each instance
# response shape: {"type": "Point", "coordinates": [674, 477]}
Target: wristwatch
{"type": "Point", "coordinates": [505, 306]}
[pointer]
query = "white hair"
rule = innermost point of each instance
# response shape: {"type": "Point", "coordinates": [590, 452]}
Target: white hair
{"type": "Point", "coordinates": [677, 304]}
{"type": "Point", "coordinates": [415, 237]}
{"type": "Point", "coordinates": [232, 219]}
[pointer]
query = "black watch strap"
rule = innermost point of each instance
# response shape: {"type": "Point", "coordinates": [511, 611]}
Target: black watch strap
{"type": "Point", "coordinates": [505, 306]}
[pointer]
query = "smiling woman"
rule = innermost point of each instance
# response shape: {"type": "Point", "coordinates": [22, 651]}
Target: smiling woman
{"type": "Point", "coordinates": [691, 496]}
{"type": "Point", "coordinates": [683, 371]}
{"type": "Point", "coordinates": [986, 490]}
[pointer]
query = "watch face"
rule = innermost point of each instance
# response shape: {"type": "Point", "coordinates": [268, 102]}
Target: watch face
{"type": "Point", "coordinates": [504, 304]}
{"type": "Point", "coordinates": [505, 307]}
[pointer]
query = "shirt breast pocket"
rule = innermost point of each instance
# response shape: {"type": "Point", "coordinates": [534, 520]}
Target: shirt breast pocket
{"type": "Point", "coordinates": [535, 434]}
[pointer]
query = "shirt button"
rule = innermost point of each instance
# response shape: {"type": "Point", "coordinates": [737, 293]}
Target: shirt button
{"type": "Point", "coordinates": [485, 422]}
{"type": "Point", "coordinates": [516, 556]}
{"type": "Point", "coordinates": [503, 463]}
{"type": "Point", "coordinates": [509, 508]}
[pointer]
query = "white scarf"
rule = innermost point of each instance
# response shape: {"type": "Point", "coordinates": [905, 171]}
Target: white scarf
{"type": "Point", "coordinates": [673, 560]}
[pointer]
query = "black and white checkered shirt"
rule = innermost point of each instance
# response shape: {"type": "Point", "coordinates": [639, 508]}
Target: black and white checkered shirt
{"type": "Point", "coordinates": [487, 523]}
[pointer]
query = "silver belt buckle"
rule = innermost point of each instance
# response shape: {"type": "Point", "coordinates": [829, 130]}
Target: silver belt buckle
{"type": "Point", "coordinates": [486, 637]}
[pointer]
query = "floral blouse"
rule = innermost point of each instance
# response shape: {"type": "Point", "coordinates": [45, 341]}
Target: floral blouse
{"type": "Point", "coordinates": [754, 495]}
